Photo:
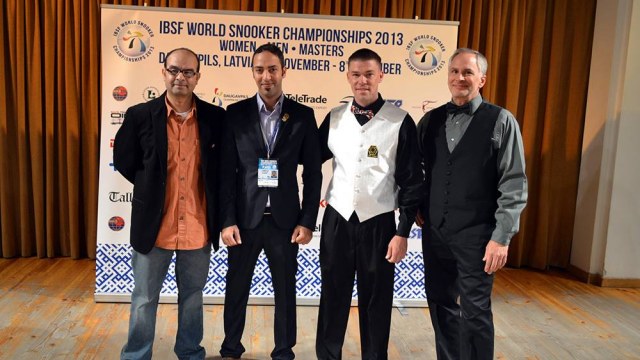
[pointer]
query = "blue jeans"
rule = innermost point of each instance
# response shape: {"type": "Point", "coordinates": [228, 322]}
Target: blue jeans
{"type": "Point", "coordinates": [149, 271]}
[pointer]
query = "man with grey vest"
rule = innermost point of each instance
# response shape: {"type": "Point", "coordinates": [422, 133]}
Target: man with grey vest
{"type": "Point", "coordinates": [476, 188]}
{"type": "Point", "coordinates": [376, 169]}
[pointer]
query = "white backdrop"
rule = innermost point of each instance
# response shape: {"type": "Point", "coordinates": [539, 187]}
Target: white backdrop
{"type": "Point", "coordinates": [134, 43]}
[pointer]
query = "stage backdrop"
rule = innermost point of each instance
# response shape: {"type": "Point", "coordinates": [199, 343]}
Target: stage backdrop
{"type": "Point", "coordinates": [134, 43]}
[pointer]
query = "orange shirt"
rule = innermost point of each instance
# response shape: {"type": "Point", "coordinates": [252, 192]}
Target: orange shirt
{"type": "Point", "coordinates": [184, 224]}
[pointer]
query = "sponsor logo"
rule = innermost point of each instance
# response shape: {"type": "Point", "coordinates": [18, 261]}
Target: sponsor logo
{"type": "Point", "coordinates": [120, 93]}
{"type": "Point", "coordinates": [133, 40]}
{"type": "Point", "coordinates": [115, 196]}
{"type": "Point", "coordinates": [372, 152]}
{"type": "Point", "coordinates": [425, 55]}
{"type": "Point", "coordinates": [150, 93]}
{"type": "Point", "coordinates": [306, 98]}
{"type": "Point", "coordinates": [116, 223]}
{"type": "Point", "coordinates": [217, 97]}
{"type": "Point", "coordinates": [346, 99]}
{"type": "Point", "coordinates": [396, 102]}
{"type": "Point", "coordinates": [323, 203]}
{"type": "Point", "coordinates": [117, 117]}
{"type": "Point", "coordinates": [416, 233]}
{"type": "Point", "coordinates": [221, 98]}
{"type": "Point", "coordinates": [428, 105]}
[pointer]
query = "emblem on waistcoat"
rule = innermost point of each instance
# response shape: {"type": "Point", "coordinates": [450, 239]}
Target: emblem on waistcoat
{"type": "Point", "coordinates": [373, 151]}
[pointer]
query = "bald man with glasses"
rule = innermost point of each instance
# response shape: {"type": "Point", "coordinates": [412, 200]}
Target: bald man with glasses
{"type": "Point", "coordinates": [168, 148]}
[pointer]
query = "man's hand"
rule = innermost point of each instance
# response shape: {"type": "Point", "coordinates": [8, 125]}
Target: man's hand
{"type": "Point", "coordinates": [301, 235]}
{"type": "Point", "coordinates": [495, 256]}
{"type": "Point", "coordinates": [397, 249]}
{"type": "Point", "coordinates": [419, 219]}
{"type": "Point", "coordinates": [231, 236]}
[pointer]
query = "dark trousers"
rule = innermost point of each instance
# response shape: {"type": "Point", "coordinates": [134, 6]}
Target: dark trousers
{"type": "Point", "coordinates": [459, 291]}
{"type": "Point", "coordinates": [347, 248]}
{"type": "Point", "coordinates": [283, 264]}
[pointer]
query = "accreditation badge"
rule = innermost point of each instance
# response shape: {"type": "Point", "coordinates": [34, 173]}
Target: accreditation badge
{"type": "Point", "coordinates": [267, 173]}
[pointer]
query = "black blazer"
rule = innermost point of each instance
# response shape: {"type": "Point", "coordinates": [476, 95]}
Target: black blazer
{"type": "Point", "coordinates": [140, 155]}
{"type": "Point", "coordinates": [242, 202]}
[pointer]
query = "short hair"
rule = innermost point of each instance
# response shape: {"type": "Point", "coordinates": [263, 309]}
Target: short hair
{"type": "Point", "coordinates": [365, 54]}
{"type": "Point", "coordinates": [481, 60]}
{"type": "Point", "coordinates": [182, 49]}
{"type": "Point", "coordinates": [272, 48]}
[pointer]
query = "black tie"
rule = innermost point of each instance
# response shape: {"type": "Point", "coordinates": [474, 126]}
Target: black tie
{"type": "Point", "coordinates": [455, 109]}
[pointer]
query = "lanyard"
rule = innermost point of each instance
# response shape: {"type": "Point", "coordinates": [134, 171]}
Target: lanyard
{"type": "Point", "coordinates": [272, 140]}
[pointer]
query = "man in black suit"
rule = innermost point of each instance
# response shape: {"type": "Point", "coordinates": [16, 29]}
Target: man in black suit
{"type": "Point", "coordinates": [168, 149]}
{"type": "Point", "coordinates": [265, 138]}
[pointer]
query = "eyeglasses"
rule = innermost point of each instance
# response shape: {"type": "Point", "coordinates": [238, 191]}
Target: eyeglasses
{"type": "Point", "coordinates": [187, 73]}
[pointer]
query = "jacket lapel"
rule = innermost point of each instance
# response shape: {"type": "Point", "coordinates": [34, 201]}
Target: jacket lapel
{"type": "Point", "coordinates": [284, 128]}
{"type": "Point", "coordinates": [159, 120]}
{"type": "Point", "coordinates": [255, 127]}
{"type": "Point", "coordinates": [203, 132]}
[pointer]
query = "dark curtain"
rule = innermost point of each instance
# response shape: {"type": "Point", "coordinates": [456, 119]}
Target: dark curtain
{"type": "Point", "coordinates": [539, 53]}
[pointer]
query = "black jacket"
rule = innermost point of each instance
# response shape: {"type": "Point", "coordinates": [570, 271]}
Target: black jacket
{"type": "Point", "coordinates": [140, 155]}
{"type": "Point", "coordinates": [242, 201]}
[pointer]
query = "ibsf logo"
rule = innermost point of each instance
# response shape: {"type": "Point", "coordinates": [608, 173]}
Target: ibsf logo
{"type": "Point", "coordinates": [116, 223]}
{"type": "Point", "coordinates": [120, 93]}
{"type": "Point", "coordinates": [425, 55]}
{"type": "Point", "coordinates": [133, 40]}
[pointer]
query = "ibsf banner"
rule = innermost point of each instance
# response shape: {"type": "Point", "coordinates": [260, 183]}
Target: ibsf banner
{"type": "Point", "coordinates": [135, 41]}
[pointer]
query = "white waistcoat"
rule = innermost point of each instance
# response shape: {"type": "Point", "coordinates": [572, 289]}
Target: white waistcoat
{"type": "Point", "coordinates": [364, 162]}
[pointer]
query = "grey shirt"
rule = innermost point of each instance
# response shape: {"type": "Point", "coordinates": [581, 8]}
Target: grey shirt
{"type": "Point", "coordinates": [512, 183]}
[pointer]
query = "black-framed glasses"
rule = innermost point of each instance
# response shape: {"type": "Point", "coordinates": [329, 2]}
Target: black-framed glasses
{"type": "Point", "coordinates": [187, 73]}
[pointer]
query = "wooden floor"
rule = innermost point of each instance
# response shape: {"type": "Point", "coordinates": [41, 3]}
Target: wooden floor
{"type": "Point", "coordinates": [47, 312]}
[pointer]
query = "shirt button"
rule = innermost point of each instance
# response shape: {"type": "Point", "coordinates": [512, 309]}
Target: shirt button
{"type": "Point", "coordinates": [181, 178]}
{"type": "Point", "coordinates": [181, 197]}
{"type": "Point", "coordinates": [181, 218]}
{"type": "Point", "coordinates": [452, 139]}
{"type": "Point", "coordinates": [183, 159]}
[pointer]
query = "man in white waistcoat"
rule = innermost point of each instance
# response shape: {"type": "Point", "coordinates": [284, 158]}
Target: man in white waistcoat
{"type": "Point", "coordinates": [376, 170]}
